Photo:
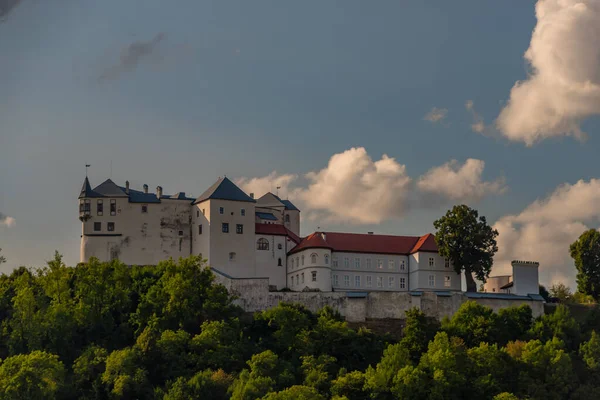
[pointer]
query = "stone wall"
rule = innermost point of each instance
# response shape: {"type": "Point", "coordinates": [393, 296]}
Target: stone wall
{"type": "Point", "coordinates": [253, 295]}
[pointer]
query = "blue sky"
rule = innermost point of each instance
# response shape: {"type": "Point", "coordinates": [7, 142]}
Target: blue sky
{"type": "Point", "coordinates": [243, 88]}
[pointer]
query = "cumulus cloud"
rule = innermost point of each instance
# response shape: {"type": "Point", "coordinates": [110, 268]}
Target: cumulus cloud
{"type": "Point", "coordinates": [478, 125]}
{"type": "Point", "coordinates": [131, 56]}
{"type": "Point", "coordinates": [563, 87]}
{"type": "Point", "coordinates": [269, 183]}
{"type": "Point", "coordinates": [355, 188]}
{"type": "Point", "coordinates": [436, 115]}
{"type": "Point", "coordinates": [6, 220]}
{"type": "Point", "coordinates": [460, 182]}
{"type": "Point", "coordinates": [544, 230]}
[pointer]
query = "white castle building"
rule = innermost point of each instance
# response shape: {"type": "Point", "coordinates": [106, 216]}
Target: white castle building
{"type": "Point", "coordinates": [244, 237]}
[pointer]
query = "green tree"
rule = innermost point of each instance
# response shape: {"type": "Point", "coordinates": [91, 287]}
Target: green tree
{"type": "Point", "coordinates": [468, 242]}
{"type": "Point", "coordinates": [544, 292]}
{"type": "Point", "coordinates": [562, 292]}
{"type": "Point", "coordinates": [513, 323]}
{"type": "Point", "coordinates": [33, 376]}
{"type": "Point", "coordinates": [558, 324]}
{"type": "Point", "coordinates": [473, 323]}
{"type": "Point", "coordinates": [350, 385]}
{"type": "Point", "coordinates": [418, 331]}
{"type": "Point", "coordinates": [266, 374]}
{"type": "Point", "coordinates": [585, 252]}
{"type": "Point", "coordinates": [379, 379]}
{"type": "Point", "coordinates": [590, 352]}
{"type": "Point", "coordinates": [2, 258]}
{"type": "Point", "coordinates": [505, 396]}
{"type": "Point", "coordinates": [125, 376]}
{"type": "Point", "coordinates": [318, 372]}
{"type": "Point", "coordinates": [296, 393]}
{"type": "Point", "coordinates": [491, 371]}
{"type": "Point", "coordinates": [207, 384]}
{"type": "Point", "coordinates": [87, 374]}
{"type": "Point", "coordinates": [411, 383]}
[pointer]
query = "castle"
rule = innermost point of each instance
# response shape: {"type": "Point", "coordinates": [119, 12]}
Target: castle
{"type": "Point", "coordinates": [244, 237]}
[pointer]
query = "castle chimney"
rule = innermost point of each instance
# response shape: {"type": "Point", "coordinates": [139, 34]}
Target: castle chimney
{"type": "Point", "coordinates": [251, 195]}
{"type": "Point", "coordinates": [159, 192]}
{"type": "Point", "coordinates": [145, 188]}
{"type": "Point", "coordinates": [127, 187]}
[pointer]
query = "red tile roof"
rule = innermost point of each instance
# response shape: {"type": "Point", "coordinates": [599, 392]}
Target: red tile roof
{"type": "Point", "coordinates": [365, 243]}
{"type": "Point", "coordinates": [276, 229]}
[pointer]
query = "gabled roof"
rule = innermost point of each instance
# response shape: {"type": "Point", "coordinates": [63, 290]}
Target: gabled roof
{"type": "Point", "coordinates": [264, 200]}
{"type": "Point", "coordinates": [135, 196]}
{"type": "Point", "coordinates": [267, 216]}
{"type": "Point", "coordinates": [288, 204]}
{"type": "Point", "coordinates": [177, 196]}
{"type": "Point", "coordinates": [110, 189]}
{"type": "Point", "coordinates": [367, 243]}
{"type": "Point", "coordinates": [224, 189]}
{"type": "Point", "coordinates": [86, 190]}
{"type": "Point", "coordinates": [277, 230]}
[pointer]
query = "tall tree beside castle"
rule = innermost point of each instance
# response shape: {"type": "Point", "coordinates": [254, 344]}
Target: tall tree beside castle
{"type": "Point", "coordinates": [585, 251]}
{"type": "Point", "coordinates": [465, 238]}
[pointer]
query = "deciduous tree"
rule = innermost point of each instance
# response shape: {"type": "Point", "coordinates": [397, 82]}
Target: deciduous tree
{"type": "Point", "coordinates": [585, 252]}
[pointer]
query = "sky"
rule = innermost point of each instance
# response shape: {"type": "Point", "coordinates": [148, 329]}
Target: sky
{"type": "Point", "coordinates": [371, 116]}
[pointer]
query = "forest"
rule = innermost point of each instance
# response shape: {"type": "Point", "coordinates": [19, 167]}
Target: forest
{"type": "Point", "coordinates": [111, 331]}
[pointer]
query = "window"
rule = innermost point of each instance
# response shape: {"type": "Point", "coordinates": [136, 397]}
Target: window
{"type": "Point", "coordinates": [431, 262]}
{"type": "Point", "coordinates": [334, 262]}
{"type": "Point", "coordinates": [279, 262]}
{"type": "Point", "coordinates": [99, 207]}
{"type": "Point", "coordinates": [391, 265]}
{"type": "Point", "coordinates": [380, 264]}
{"type": "Point", "coordinates": [144, 208]}
{"type": "Point", "coordinates": [326, 259]}
{"type": "Point", "coordinates": [380, 281]}
{"type": "Point", "coordinates": [391, 281]}
{"type": "Point", "coordinates": [302, 275]}
{"type": "Point", "coordinates": [369, 281]}
{"type": "Point", "coordinates": [314, 276]}
{"type": "Point", "coordinates": [292, 281]}
{"type": "Point", "coordinates": [297, 279]}
{"type": "Point", "coordinates": [335, 280]}
{"type": "Point", "coordinates": [357, 263]}
{"type": "Point", "coordinates": [84, 207]}
{"type": "Point", "coordinates": [297, 262]}
{"type": "Point", "coordinates": [200, 229]}
{"type": "Point", "coordinates": [447, 263]}
{"type": "Point", "coordinates": [279, 246]}
{"type": "Point", "coordinates": [313, 258]}
{"type": "Point", "coordinates": [368, 263]}
{"type": "Point", "coordinates": [431, 280]}
{"type": "Point", "coordinates": [113, 207]}
{"type": "Point", "coordinates": [357, 281]}
{"type": "Point", "coordinates": [262, 244]}
{"type": "Point", "coordinates": [243, 212]}
{"type": "Point", "coordinates": [447, 281]}
{"type": "Point", "coordinates": [110, 226]}
{"type": "Point", "coordinates": [203, 211]}
{"type": "Point", "coordinates": [232, 256]}
{"type": "Point", "coordinates": [239, 229]}
{"type": "Point", "coordinates": [292, 264]}
{"type": "Point", "coordinates": [287, 217]}
{"type": "Point", "coordinates": [402, 265]}
{"type": "Point", "coordinates": [197, 213]}
{"type": "Point", "coordinates": [221, 210]}
{"type": "Point", "coordinates": [346, 280]}
{"type": "Point", "coordinates": [402, 283]}
{"type": "Point", "coordinates": [346, 262]}
{"type": "Point", "coordinates": [180, 233]}
{"type": "Point", "coordinates": [225, 227]}
{"type": "Point", "coordinates": [97, 226]}
{"type": "Point", "coordinates": [302, 259]}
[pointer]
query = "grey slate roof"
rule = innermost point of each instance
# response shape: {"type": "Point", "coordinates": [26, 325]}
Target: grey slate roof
{"type": "Point", "coordinates": [224, 189]}
{"type": "Point", "coordinates": [86, 190]}
{"type": "Point", "coordinates": [177, 196]}
{"type": "Point", "coordinates": [267, 216]}
{"type": "Point", "coordinates": [110, 189]}
{"type": "Point", "coordinates": [288, 204]}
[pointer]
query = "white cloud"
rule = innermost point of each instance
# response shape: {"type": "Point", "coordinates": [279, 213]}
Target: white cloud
{"type": "Point", "coordinates": [355, 188]}
{"type": "Point", "coordinates": [564, 85]}
{"type": "Point", "coordinates": [6, 220]}
{"type": "Point", "coordinates": [478, 125]}
{"type": "Point", "coordinates": [544, 230]}
{"type": "Point", "coordinates": [269, 183]}
{"type": "Point", "coordinates": [436, 115]}
{"type": "Point", "coordinates": [460, 182]}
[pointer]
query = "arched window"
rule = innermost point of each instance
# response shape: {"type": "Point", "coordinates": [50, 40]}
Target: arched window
{"type": "Point", "coordinates": [303, 259]}
{"type": "Point", "coordinates": [279, 262]}
{"type": "Point", "coordinates": [287, 217]}
{"type": "Point", "coordinates": [262, 244]}
{"type": "Point", "coordinates": [292, 263]}
{"type": "Point", "coordinates": [232, 256]}
{"type": "Point", "coordinates": [313, 258]}
{"type": "Point", "coordinates": [279, 246]}
{"type": "Point", "coordinates": [297, 262]}
{"type": "Point", "coordinates": [326, 259]}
